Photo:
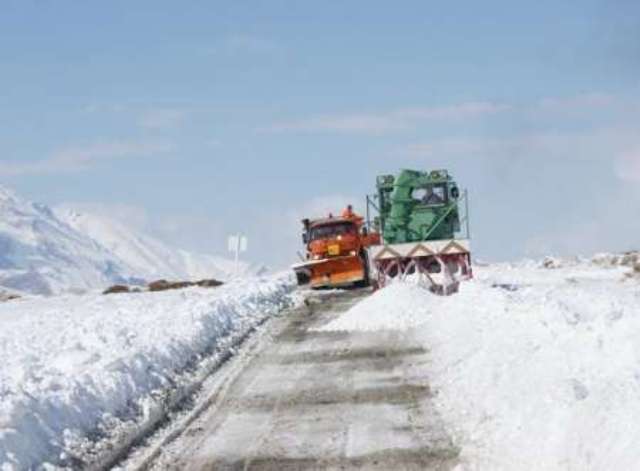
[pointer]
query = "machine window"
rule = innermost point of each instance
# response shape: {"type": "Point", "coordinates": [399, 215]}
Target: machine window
{"type": "Point", "coordinates": [435, 194]}
{"type": "Point", "coordinates": [430, 195]}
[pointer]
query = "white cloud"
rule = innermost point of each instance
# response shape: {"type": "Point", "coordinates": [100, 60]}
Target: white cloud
{"type": "Point", "coordinates": [460, 111]}
{"type": "Point", "coordinates": [194, 230]}
{"type": "Point", "coordinates": [536, 145]}
{"type": "Point", "coordinates": [322, 206]}
{"type": "Point", "coordinates": [551, 192]}
{"type": "Point", "coordinates": [401, 118]}
{"type": "Point", "coordinates": [405, 118]}
{"type": "Point", "coordinates": [254, 44]}
{"type": "Point", "coordinates": [582, 238]}
{"type": "Point", "coordinates": [285, 224]}
{"type": "Point", "coordinates": [81, 158]}
{"type": "Point", "coordinates": [604, 143]}
{"type": "Point", "coordinates": [453, 146]}
{"type": "Point", "coordinates": [367, 123]}
{"type": "Point", "coordinates": [104, 108]}
{"type": "Point", "coordinates": [628, 165]}
{"type": "Point", "coordinates": [134, 217]}
{"type": "Point", "coordinates": [150, 116]}
{"type": "Point", "coordinates": [161, 118]}
{"type": "Point", "coordinates": [242, 44]}
{"type": "Point", "coordinates": [186, 229]}
{"type": "Point", "coordinates": [578, 102]}
{"type": "Point", "coordinates": [275, 233]}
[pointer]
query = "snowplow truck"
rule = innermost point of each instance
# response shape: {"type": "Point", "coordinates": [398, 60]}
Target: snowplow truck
{"type": "Point", "coordinates": [423, 218]}
{"type": "Point", "coordinates": [336, 251]}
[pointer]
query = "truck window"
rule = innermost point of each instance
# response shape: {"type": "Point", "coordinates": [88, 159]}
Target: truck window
{"type": "Point", "coordinates": [331, 230]}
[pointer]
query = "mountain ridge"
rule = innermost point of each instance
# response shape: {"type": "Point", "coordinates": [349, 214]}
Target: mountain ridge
{"type": "Point", "coordinates": [49, 251]}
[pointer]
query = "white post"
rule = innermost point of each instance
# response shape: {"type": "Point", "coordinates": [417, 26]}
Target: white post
{"type": "Point", "coordinates": [238, 255]}
{"type": "Point", "coordinates": [236, 244]}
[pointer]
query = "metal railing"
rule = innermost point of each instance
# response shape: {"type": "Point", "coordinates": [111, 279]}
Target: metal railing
{"type": "Point", "coordinates": [372, 208]}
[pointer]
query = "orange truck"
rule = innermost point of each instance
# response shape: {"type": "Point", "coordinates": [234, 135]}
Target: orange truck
{"type": "Point", "coordinates": [336, 251]}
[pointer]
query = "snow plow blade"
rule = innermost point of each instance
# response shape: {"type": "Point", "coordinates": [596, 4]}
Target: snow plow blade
{"type": "Point", "coordinates": [331, 272]}
{"type": "Point", "coordinates": [442, 264]}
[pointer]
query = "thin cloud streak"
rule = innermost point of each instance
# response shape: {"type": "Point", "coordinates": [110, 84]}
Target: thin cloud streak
{"type": "Point", "coordinates": [77, 159]}
{"type": "Point", "coordinates": [162, 118]}
{"type": "Point", "coordinates": [606, 143]}
{"type": "Point", "coordinates": [244, 44]}
{"type": "Point", "coordinates": [394, 120]}
{"type": "Point", "coordinates": [585, 100]}
{"type": "Point", "coordinates": [628, 165]}
{"type": "Point", "coordinates": [147, 116]}
{"type": "Point", "coordinates": [406, 118]}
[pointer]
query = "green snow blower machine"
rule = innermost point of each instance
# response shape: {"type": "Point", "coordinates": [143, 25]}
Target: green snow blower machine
{"type": "Point", "coordinates": [424, 223]}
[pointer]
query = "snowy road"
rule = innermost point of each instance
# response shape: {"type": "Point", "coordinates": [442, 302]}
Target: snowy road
{"type": "Point", "coordinates": [304, 399]}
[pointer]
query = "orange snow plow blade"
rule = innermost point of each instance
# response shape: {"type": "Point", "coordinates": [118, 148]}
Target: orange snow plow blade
{"type": "Point", "coordinates": [331, 272]}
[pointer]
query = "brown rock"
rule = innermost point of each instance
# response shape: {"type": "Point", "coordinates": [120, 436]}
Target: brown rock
{"type": "Point", "coordinates": [4, 296]}
{"type": "Point", "coordinates": [551, 263]}
{"type": "Point", "coordinates": [630, 259]}
{"type": "Point", "coordinates": [159, 285]}
{"type": "Point", "coordinates": [181, 284]}
{"type": "Point", "coordinates": [164, 285]}
{"type": "Point", "coordinates": [116, 289]}
{"type": "Point", "coordinates": [211, 283]}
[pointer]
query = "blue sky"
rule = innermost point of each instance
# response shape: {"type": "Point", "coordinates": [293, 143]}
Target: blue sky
{"type": "Point", "coordinates": [195, 119]}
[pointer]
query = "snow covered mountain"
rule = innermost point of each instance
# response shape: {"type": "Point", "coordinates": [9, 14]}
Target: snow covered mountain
{"type": "Point", "coordinates": [43, 251]}
{"type": "Point", "coordinates": [148, 257]}
{"type": "Point", "coordinates": [41, 254]}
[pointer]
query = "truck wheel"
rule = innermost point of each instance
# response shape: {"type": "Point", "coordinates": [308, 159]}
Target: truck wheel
{"type": "Point", "coordinates": [365, 263]}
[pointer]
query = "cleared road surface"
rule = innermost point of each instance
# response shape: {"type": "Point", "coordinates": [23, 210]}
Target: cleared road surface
{"type": "Point", "coordinates": [304, 399]}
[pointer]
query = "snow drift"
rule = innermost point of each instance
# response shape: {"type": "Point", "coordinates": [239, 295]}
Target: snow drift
{"type": "Point", "coordinates": [535, 368]}
{"type": "Point", "coordinates": [75, 366]}
{"type": "Point", "coordinates": [398, 306]}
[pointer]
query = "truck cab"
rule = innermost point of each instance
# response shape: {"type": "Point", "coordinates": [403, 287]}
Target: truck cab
{"type": "Point", "coordinates": [336, 253]}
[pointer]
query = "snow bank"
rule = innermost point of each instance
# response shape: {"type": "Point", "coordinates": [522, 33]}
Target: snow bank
{"type": "Point", "coordinates": [74, 365]}
{"type": "Point", "coordinates": [535, 369]}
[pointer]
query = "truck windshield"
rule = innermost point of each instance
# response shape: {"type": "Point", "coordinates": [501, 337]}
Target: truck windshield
{"type": "Point", "coordinates": [332, 230]}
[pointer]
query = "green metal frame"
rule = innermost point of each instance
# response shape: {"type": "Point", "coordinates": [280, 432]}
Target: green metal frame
{"type": "Point", "coordinates": [402, 218]}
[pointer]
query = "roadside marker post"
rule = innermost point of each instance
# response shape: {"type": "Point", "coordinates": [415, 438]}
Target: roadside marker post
{"type": "Point", "coordinates": [237, 243]}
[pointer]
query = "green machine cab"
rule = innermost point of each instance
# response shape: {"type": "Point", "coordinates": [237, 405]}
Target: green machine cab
{"type": "Point", "coordinates": [423, 219]}
{"type": "Point", "coordinates": [418, 206]}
